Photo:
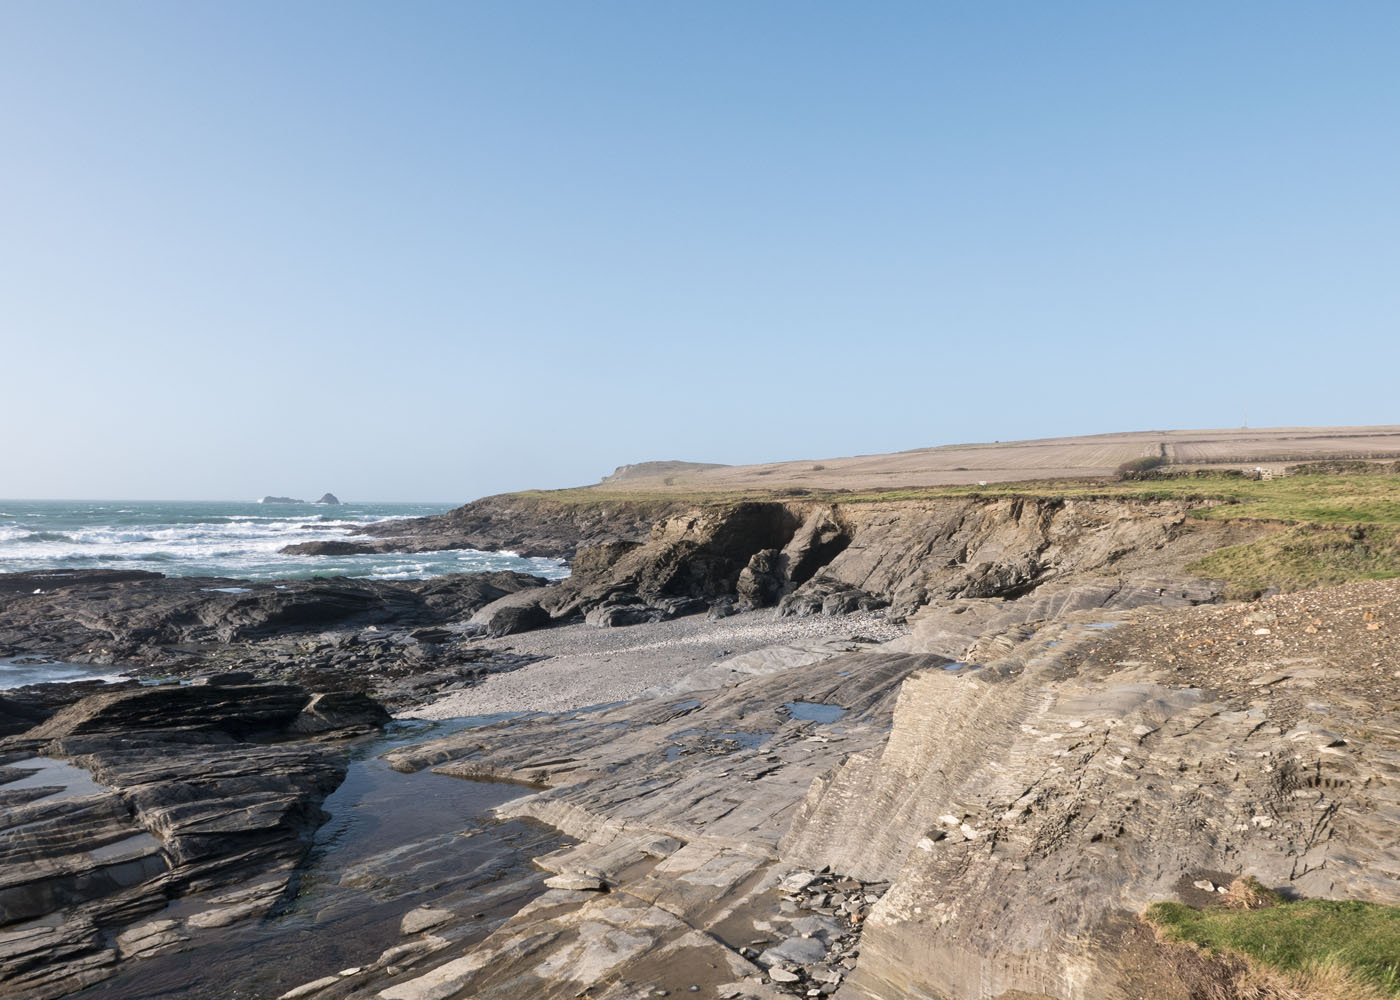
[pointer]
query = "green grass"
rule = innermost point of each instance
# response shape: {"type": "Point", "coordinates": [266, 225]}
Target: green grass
{"type": "Point", "coordinates": [1298, 939]}
{"type": "Point", "coordinates": [1303, 557]}
{"type": "Point", "coordinates": [1341, 500]}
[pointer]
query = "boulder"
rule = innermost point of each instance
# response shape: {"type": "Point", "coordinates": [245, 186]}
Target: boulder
{"type": "Point", "coordinates": [338, 711]}
{"type": "Point", "coordinates": [26, 707]}
{"type": "Point", "coordinates": [825, 596]}
{"type": "Point", "coordinates": [761, 582]}
{"type": "Point", "coordinates": [518, 612]}
{"type": "Point", "coordinates": [723, 607]}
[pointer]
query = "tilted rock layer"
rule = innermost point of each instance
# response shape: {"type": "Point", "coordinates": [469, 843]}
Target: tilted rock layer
{"type": "Point", "coordinates": [1028, 811]}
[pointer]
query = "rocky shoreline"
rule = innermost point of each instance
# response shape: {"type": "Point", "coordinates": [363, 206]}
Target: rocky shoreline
{"type": "Point", "coordinates": [875, 751]}
{"type": "Point", "coordinates": [527, 526]}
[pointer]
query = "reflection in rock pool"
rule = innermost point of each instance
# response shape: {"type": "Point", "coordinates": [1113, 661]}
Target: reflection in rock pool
{"type": "Point", "coordinates": [394, 842]}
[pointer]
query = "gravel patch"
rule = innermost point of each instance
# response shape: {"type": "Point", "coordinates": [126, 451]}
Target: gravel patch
{"type": "Point", "coordinates": [587, 666]}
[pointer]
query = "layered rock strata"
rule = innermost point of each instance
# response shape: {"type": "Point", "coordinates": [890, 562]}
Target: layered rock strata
{"type": "Point", "coordinates": [127, 799]}
{"type": "Point", "coordinates": [1023, 804]}
{"type": "Point", "coordinates": [828, 559]}
{"type": "Point", "coordinates": [392, 638]}
{"type": "Point", "coordinates": [1027, 812]}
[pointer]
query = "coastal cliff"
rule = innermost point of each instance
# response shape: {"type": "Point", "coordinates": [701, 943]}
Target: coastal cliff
{"type": "Point", "coordinates": [1068, 727]}
{"type": "Point", "coordinates": [807, 558]}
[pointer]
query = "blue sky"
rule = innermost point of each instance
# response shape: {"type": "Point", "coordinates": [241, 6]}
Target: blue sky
{"type": "Point", "coordinates": [437, 250]}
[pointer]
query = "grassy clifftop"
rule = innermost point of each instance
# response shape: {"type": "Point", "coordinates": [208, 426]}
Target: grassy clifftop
{"type": "Point", "coordinates": [1308, 499]}
{"type": "Point", "coordinates": [1329, 529]}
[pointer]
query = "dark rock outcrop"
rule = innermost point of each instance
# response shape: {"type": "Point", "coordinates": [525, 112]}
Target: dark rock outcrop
{"type": "Point", "coordinates": [527, 524]}
{"type": "Point", "coordinates": [518, 612]}
{"type": "Point", "coordinates": [26, 707]}
{"type": "Point", "coordinates": [760, 583]}
{"type": "Point", "coordinates": [128, 799]}
{"type": "Point", "coordinates": [328, 498]}
{"type": "Point", "coordinates": [236, 711]}
{"type": "Point", "coordinates": [103, 617]}
{"type": "Point", "coordinates": [827, 596]}
{"type": "Point", "coordinates": [687, 561]}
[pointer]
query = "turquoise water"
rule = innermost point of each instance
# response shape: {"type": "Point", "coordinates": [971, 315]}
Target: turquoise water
{"type": "Point", "coordinates": [232, 539]}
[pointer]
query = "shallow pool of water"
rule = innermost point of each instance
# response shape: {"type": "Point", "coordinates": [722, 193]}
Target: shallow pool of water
{"type": "Point", "coordinates": [69, 781]}
{"type": "Point", "coordinates": [813, 711]}
{"type": "Point", "coordinates": [394, 842]}
{"type": "Point", "coordinates": [714, 741]}
{"type": "Point", "coordinates": [955, 668]}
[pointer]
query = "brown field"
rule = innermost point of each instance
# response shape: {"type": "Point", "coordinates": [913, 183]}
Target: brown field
{"type": "Point", "coordinates": [1010, 461]}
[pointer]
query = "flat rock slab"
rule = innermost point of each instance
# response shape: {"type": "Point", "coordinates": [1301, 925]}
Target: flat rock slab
{"type": "Point", "coordinates": [553, 953]}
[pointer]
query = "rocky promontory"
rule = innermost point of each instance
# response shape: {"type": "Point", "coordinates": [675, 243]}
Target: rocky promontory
{"type": "Point", "coordinates": [526, 524]}
{"type": "Point", "coordinates": [363, 635]}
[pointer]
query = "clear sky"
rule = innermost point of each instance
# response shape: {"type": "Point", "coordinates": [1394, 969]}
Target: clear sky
{"type": "Point", "coordinates": [433, 250]}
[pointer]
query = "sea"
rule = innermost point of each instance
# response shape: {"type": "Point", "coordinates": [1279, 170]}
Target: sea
{"type": "Point", "coordinates": [237, 539]}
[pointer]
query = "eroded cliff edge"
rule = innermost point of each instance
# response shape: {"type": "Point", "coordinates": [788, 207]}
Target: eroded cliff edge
{"type": "Point", "coordinates": [832, 558]}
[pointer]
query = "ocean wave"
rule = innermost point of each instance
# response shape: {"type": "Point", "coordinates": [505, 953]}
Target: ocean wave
{"type": "Point", "coordinates": [228, 541]}
{"type": "Point", "coordinates": [18, 537]}
{"type": "Point", "coordinates": [13, 675]}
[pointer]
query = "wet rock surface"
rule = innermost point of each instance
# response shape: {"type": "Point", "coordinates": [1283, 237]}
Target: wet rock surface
{"type": "Point", "coordinates": [406, 865]}
{"type": "Point", "coordinates": [129, 798]}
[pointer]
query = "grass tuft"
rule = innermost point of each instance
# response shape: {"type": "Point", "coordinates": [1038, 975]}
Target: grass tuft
{"type": "Point", "coordinates": [1303, 557]}
{"type": "Point", "coordinates": [1319, 947]}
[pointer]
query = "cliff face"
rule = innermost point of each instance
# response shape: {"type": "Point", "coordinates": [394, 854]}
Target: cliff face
{"type": "Point", "coordinates": [808, 558]}
{"type": "Point", "coordinates": [912, 553]}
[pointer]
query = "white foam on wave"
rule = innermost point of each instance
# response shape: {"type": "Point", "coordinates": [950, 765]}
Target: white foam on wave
{"type": "Point", "coordinates": [13, 675]}
{"type": "Point", "coordinates": [236, 544]}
